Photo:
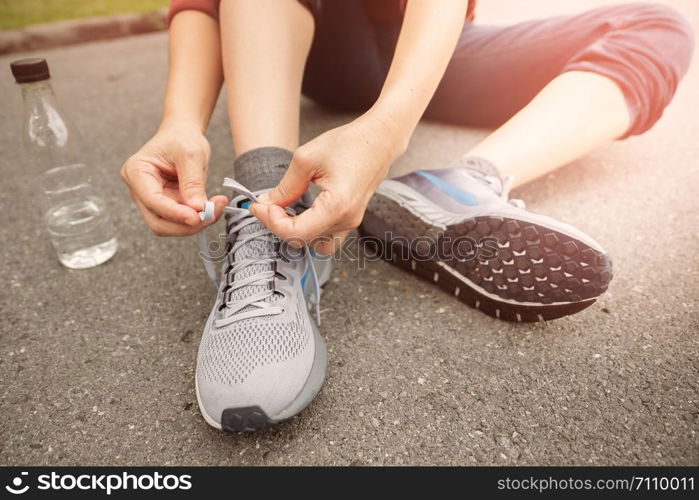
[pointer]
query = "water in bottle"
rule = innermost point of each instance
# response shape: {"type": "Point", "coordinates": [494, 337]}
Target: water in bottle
{"type": "Point", "coordinates": [74, 212]}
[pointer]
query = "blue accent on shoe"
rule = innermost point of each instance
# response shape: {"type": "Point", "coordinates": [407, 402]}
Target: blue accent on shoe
{"type": "Point", "coordinates": [305, 276]}
{"type": "Point", "coordinates": [461, 196]}
{"type": "Point", "coordinates": [245, 205]}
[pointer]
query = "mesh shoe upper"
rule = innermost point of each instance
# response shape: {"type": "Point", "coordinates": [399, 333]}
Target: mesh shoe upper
{"type": "Point", "coordinates": [231, 354]}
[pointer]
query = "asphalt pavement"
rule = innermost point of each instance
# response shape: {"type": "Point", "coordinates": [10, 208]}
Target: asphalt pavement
{"type": "Point", "coordinates": [97, 366]}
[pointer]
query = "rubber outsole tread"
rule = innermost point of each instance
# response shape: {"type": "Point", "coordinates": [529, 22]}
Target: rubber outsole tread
{"type": "Point", "coordinates": [246, 419]}
{"type": "Point", "coordinates": [547, 274]}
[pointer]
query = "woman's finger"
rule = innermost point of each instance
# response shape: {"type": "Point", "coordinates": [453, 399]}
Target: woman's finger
{"type": "Point", "coordinates": [299, 229]}
{"type": "Point", "coordinates": [164, 227]}
{"type": "Point", "coordinates": [146, 183]}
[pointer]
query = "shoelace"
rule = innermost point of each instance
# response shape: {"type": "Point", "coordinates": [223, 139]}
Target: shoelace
{"type": "Point", "coordinates": [500, 186]}
{"type": "Point", "coordinates": [235, 310]}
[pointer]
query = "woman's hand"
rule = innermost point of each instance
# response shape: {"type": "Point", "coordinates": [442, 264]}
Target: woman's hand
{"type": "Point", "coordinates": [166, 179]}
{"type": "Point", "coordinates": [347, 163]}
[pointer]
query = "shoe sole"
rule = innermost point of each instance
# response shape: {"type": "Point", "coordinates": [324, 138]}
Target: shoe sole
{"type": "Point", "coordinates": [538, 273]}
{"type": "Point", "coordinates": [252, 418]}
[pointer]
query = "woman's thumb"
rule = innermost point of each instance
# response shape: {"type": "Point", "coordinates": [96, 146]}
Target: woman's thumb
{"type": "Point", "coordinates": [191, 177]}
{"type": "Point", "coordinates": [291, 187]}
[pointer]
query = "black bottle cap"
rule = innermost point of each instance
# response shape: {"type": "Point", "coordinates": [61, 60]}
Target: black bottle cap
{"type": "Point", "coordinates": [33, 69]}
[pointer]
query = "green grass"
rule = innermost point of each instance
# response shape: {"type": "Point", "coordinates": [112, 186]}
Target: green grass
{"type": "Point", "coordinates": [17, 13]}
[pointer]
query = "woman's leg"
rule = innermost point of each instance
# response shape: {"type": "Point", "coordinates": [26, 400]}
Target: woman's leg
{"type": "Point", "coordinates": [263, 374]}
{"type": "Point", "coordinates": [264, 47]}
{"type": "Point", "coordinates": [574, 114]}
{"type": "Point", "coordinates": [572, 83]}
{"type": "Point", "coordinates": [561, 87]}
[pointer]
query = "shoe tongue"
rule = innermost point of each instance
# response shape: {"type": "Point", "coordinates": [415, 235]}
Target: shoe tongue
{"type": "Point", "coordinates": [479, 165]}
{"type": "Point", "coordinates": [479, 170]}
{"type": "Point", "coordinates": [481, 177]}
{"type": "Point", "coordinates": [251, 249]}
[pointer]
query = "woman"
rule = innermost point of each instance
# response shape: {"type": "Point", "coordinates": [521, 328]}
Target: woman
{"type": "Point", "coordinates": [555, 89]}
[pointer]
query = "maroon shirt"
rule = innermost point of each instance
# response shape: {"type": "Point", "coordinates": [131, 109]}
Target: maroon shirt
{"type": "Point", "coordinates": [377, 9]}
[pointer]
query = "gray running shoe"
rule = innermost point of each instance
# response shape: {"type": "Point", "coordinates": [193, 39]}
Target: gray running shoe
{"type": "Point", "coordinates": [261, 359]}
{"type": "Point", "coordinates": [457, 227]}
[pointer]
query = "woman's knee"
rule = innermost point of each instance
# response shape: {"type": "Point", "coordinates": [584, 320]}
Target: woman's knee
{"type": "Point", "coordinates": [665, 29]}
{"type": "Point", "coordinates": [647, 52]}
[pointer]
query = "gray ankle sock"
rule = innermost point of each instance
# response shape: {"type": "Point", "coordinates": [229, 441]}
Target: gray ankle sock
{"type": "Point", "coordinates": [261, 168]}
{"type": "Point", "coordinates": [475, 163]}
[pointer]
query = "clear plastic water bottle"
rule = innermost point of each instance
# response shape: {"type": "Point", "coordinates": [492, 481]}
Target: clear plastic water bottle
{"type": "Point", "coordinates": [74, 212]}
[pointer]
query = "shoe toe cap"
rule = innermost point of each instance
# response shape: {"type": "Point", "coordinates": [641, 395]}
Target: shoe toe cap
{"type": "Point", "coordinates": [263, 395]}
